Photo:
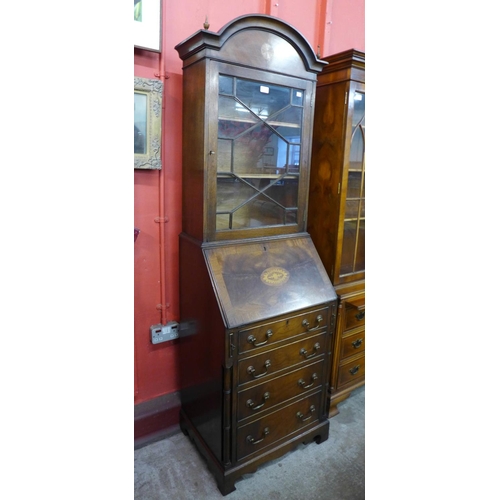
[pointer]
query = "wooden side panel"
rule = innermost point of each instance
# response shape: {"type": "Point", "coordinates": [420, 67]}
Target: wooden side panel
{"type": "Point", "coordinates": [326, 167]}
{"type": "Point", "coordinates": [193, 151]}
{"type": "Point", "coordinates": [202, 348]}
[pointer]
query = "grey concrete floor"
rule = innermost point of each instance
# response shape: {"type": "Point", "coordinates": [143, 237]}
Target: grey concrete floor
{"type": "Point", "coordinates": [172, 469]}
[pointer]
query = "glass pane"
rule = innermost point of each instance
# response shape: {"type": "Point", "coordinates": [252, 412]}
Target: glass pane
{"type": "Point", "coordinates": [354, 185]}
{"type": "Point", "coordinates": [224, 156]}
{"type": "Point", "coordinates": [291, 216]}
{"type": "Point", "coordinates": [234, 118]}
{"type": "Point", "coordinates": [348, 247]}
{"type": "Point", "coordinates": [358, 136]}
{"type": "Point", "coordinates": [279, 160]}
{"type": "Point", "coordinates": [249, 148]}
{"type": "Point", "coordinates": [283, 192]}
{"type": "Point", "coordinates": [358, 117]}
{"type": "Point", "coordinates": [297, 97]}
{"type": "Point", "coordinates": [225, 85]}
{"type": "Point", "coordinates": [359, 263]}
{"type": "Point", "coordinates": [232, 193]}
{"type": "Point", "coordinates": [357, 151]}
{"type": "Point", "coordinates": [351, 209]}
{"type": "Point", "coordinates": [222, 221]}
{"type": "Point", "coordinates": [288, 123]}
{"type": "Point", "coordinates": [260, 211]}
{"type": "Point", "coordinates": [293, 158]}
{"type": "Point", "coordinates": [263, 100]}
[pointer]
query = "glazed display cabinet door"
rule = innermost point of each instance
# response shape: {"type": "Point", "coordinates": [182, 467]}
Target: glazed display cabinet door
{"type": "Point", "coordinates": [352, 254]}
{"type": "Point", "coordinates": [259, 143]}
{"type": "Point", "coordinates": [260, 155]}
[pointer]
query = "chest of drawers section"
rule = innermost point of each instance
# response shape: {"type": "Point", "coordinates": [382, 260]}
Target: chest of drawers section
{"type": "Point", "coordinates": [349, 354]}
{"type": "Point", "coordinates": [281, 381]}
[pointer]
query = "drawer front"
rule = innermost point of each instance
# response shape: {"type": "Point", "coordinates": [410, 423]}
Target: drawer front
{"type": "Point", "coordinates": [352, 344]}
{"type": "Point", "coordinates": [262, 366]}
{"type": "Point", "coordinates": [271, 333]}
{"type": "Point", "coordinates": [354, 316]}
{"type": "Point", "coordinates": [260, 398]}
{"type": "Point", "coordinates": [351, 371]}
{"type": "Point", "coordinates": [257, 435]}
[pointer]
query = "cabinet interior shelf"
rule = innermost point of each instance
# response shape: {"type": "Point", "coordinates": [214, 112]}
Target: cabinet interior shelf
{"type": "Point", "coordinates": [274, 123]}
{"type": "Point", "coordinates": [257, 176]}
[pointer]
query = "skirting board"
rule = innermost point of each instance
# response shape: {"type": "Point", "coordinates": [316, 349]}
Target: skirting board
{"type": "Point", "coordinates": [156, 419]}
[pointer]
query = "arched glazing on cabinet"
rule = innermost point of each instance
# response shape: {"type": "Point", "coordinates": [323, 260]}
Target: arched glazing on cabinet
{"type": "Point", "coordinates": [353, 245]}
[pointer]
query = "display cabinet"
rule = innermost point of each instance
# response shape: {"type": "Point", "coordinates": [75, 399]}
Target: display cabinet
{"type": "Point", "coordinates": [336, 220]}
{"type": "Point", "coordinates": [257, 307]}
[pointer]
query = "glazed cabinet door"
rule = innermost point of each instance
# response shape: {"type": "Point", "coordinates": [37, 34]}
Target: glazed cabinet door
{"type": "Point", "coordinates": [259, 153]}
{"type": "Point", "coordinates": [350, 262]}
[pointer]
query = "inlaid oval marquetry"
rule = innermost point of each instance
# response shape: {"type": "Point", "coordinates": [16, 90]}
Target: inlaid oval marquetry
{"type": "Point", "coordinates": [274, 276]}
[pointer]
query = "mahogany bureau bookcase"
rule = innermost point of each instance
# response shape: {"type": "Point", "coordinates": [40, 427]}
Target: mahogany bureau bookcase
{"type": "Point", "coordinates": [336, 220]}
{"type": "Point", "coordinates": [258, 309]}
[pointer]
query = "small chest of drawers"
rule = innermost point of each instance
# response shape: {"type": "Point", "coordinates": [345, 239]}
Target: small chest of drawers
{"type": "Point", "coordinates": [281, 382]}
{"type": "Point", "coordinates": [348, 371]}
{"type": "Point", "coordinates": [272, 394]}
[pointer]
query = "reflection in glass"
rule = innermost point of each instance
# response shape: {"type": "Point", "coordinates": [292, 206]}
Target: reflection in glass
{"type": "Point", "coordinates": [263, 100]}
{"type": "Point", "coordinates": [253, 202]}
{"type": "Point", "coordinates": [258, 157]}
{"type": "Point", "coordinates": [225, 85]}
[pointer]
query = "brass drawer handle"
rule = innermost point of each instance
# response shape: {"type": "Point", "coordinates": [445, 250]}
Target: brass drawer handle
{"type": "Point", "coordinates": [251, 370]}
{"type": "Point", "coordinates": [303, 351]}
{"type": "Point", "coordinates": [305, 323]}
{"type": "Point", "coordinates": [252, 339]}
{"type": "Point", "coordinates": [252, 440]}
{"type": "Point", "coordinates": [354, 370]}
{"type": "Point", "coordinates": [357, 343]}
{"type": "Point", "coordinates": [251, 404]}
{"type": "Point", "coordinates": [360, 315]}
{"type": "Point", "coordinates": [303, 418]}
{"type": "Point", "coordinates": [303, 384]}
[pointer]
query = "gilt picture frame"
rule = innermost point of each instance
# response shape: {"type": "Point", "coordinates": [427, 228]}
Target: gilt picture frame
{"type": "Point", "coordinates": [148, 97]}
{"type": "Point", "coordinates": [148, 24]}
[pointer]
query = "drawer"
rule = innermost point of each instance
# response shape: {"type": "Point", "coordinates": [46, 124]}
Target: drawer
{"type": "Point", "coordinates": [353, 370]}
{"type": "Point", "coordinates": [260, 398]}
{"type": "Point", "coordinates": [255, 436]}
{"type": "Point", "coordinates": [353, 343]}
{"type": "Point", "coordinates": [354, 313]}
{"type": "Point", "coordinates": [261, 366]}
{"type": "Point", "coordinates": [270, 333]}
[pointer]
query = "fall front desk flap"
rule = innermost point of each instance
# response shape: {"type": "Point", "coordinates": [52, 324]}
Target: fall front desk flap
{"type": "Point", "coordinates": [259, 280]}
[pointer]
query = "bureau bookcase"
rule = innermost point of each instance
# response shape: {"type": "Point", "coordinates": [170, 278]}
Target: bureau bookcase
{"type": "Point", "coordinates": [257, 306]}
{"type": "Point", "coordinates": [336, 220]}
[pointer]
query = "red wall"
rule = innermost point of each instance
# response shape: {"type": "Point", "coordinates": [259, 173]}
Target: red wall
{"type": "Point", "coordinates": [334, 25]}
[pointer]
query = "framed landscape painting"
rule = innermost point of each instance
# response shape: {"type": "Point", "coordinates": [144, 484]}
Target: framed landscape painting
{"type": "Point", "coordinates": [147, 24]}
